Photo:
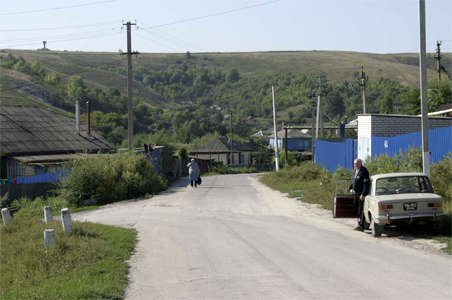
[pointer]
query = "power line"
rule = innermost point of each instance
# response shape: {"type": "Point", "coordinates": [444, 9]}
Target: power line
{"type": "Point", "coordinates": [171, 39]}
{"type": "Point", "coordinates": [66, 40]}
{"type": "Point", "coordinates": [61, 27]}
{"type": "Point", "coordinates": [58, 36]}
{"type": "Point", "coordinates": [215, 14]}
{"type": "Point", "coordinates": [55, 8]}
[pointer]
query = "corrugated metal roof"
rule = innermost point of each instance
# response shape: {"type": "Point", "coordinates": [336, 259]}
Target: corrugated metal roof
{"type": "Point", "coordinates": [33, 130]}
{"type": "Point", "coordinates": [222, 145]}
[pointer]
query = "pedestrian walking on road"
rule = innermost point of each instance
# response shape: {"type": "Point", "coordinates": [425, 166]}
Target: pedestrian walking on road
{"type": "Point", "coordinates": [193, 172]}
{"type": "Point", "coordinates": [360, 186]}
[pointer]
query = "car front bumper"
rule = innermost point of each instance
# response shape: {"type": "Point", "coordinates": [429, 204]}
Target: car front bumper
{"type": "Point", "coordinates": [412, 217]}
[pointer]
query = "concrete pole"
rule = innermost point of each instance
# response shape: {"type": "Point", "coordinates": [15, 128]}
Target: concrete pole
{"type": "Point", "coordinates": [49, 237]}
{"type": "Point", "coordinates": [129, 87]}
{"type": "Point", "coordinates": [48, 214]}
{"type": "Point", "coordinates": [317, 118]}
{"type": "Point", "coordinates": [423, 89]}
{"type": "Point", "coordinates": [274, 130]}
{"type": "Point", "coordinates": [77, 116]}
{"type": "Point", "coordinates": [66, 220]}
{"type": "Point", "coordinates": [6, 216]}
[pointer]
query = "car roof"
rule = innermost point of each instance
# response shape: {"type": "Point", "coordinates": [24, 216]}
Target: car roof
{"type": "Point", "coordinates": [387, 175]}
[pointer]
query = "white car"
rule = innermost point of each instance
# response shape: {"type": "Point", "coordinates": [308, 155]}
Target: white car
{"type": "Point", "coordinates": [400, 197]}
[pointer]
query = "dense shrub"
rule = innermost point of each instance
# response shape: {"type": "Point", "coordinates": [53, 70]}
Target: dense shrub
{"type": "Point", "coordinates": [110, 178]}
{"type": "Point", "coordinates": [410, 161]}
{"type": "Point", "coordinates": [441, 175]}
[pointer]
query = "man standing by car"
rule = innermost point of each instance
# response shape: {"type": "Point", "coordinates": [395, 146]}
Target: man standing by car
{"type": "Point", "coordinates": [360, 185]}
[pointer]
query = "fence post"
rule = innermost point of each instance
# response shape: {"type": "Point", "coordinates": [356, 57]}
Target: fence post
{"type": "Point", "coordinates": [49, 237]}
{"type": "Point", "coordinates": [48, 214]}
{"type": "Point", "coordinates": [6, 216]}
{"type": "Point", "coordinates": [66, 220]}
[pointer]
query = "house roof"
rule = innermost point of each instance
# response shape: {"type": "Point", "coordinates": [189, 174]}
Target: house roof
{"type": "Point", "coordinates": [222, 145]}
{"type": "Point", "coordinates": [292, 134]}
{"type": "Point", "coordinates": [34, 130]}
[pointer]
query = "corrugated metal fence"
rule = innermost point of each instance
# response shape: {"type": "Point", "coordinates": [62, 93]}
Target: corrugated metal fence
{"type": "Point", "coordinates": [335, 154]}
{"type": "Point", "coordinates": [332, 154]}
{"type": "Point", "coordinates": [440, 143]}
{"type": "Point", "coordinates": [46, 177]}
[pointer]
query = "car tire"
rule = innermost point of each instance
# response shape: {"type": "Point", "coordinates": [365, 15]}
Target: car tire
{"type": "Point", "coordinates": [377, 229]}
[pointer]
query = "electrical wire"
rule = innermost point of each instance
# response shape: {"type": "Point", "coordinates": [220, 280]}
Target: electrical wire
{"type": "Point", "coordinates": [58, 36]}
{"type": "Point", "coordinates": [66, 40]}
{"type": "Point", "coordinates": [56, 8]}
{"type": "Point", "coordinates": [215, 14]}
{"type": "Point", "coordinates": [62, 27]}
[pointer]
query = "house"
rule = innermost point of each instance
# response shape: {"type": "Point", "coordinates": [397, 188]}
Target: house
{"type": "Point", "coordinates": [230, 154]}
{"type": "Point", "coordinates": [35, 141]}
{"type": "Point", "coordinates": [390, 134]}
{"type": "Point", "coordinates": [296, 140]}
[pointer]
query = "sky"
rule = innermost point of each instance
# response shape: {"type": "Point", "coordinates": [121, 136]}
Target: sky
{"type": "Point", "coordinates": [376, 26]}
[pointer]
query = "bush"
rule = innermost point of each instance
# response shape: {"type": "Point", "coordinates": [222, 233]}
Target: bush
{"type": "Point", "coordinates": [110, 178]}
{"type": "Point", "coordinates": [410, 161]}
{"type": "Point", "coordinates": [441, 176]}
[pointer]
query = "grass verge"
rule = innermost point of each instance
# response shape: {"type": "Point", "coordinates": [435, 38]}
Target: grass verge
{"type": "Point", "coordinates": [90, 263]}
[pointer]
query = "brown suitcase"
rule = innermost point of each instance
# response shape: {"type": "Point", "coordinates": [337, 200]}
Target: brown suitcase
{"type": "Point", "coordinates": [343, 206]}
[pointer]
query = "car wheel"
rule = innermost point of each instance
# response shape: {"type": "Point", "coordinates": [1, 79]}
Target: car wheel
{"type": "Point", "coordinates": [377, 230]}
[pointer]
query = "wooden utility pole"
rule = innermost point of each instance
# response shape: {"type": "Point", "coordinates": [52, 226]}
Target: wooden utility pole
{"type": "Point", "coordinates": [274, 130]}
{"type": "Point", "coordinates": [423, 88]}
{"type": "Point", "coordinates": [129, 84]}
{"type": "Point", "coordinates": [362, 83]}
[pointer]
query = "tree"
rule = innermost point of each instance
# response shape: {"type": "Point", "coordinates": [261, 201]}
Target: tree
{"type": "Point", "coordinates": [75, 88]}
{"type": "Point", "coordinates": [233, 76]}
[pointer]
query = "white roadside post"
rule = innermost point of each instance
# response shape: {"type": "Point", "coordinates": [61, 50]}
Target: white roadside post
{"type": "Point", "coordinates": [6, 216]}
{"type": "Point", "coordinates": [49, 237]}
{"type": "Point", "coordinates": [48, 214]}
{"type": "Point", "coordinates": [66, 220]}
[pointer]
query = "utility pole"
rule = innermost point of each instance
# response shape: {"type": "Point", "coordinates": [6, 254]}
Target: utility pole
{"type": "Point", "coordinates": [230, 138]}
{"type": "Point", "coordinates": [317, 127]}
{"type": "Point", "coordinates": [423, 88]}
{"type": "Point", "coordinates": [274, 130]}
{"type": "Point", "coordinates": [129, 84]}
{"type": "Point", "coordinates": [362, 83]}
{"type": "Point", "coordinates": [438, 59]}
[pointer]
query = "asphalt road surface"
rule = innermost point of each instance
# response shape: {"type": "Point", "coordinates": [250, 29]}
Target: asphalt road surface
{"type": "Point", "coordinates": [233, 238]}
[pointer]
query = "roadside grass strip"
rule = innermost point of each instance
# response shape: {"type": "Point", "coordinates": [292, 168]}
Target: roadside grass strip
{"type": "Point", "coordinates": [89, 263]}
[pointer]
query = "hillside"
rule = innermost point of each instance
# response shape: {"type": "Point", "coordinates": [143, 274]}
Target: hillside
{"type": "Point", "coordinates": [182, 97]}
{"type": "Point", "coordinates": [338, 65]}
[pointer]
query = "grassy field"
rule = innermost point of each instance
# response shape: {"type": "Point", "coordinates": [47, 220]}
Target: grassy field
{"type": "Point", "coordinates": [90, 263]}
{"type": "Point", "coordinates": [340, 65]}
{"type": "Point", "coordinates": [312, 185]}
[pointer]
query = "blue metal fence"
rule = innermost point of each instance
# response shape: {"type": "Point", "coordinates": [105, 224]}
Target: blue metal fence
{"type": "Point", "coordinates": [440, 143]}
{"type": "Point", "coordinates": [333, 155]}
{"type": "Point", "coordinates": [46, 177]}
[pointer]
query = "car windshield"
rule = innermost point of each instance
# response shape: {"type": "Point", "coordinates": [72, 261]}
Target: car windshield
{"type": "Point", "coordinates": [401, 185]}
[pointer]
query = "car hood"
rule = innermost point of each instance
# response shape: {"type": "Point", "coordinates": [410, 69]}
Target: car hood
{"type": "Point", "coordinates": [409, 196]}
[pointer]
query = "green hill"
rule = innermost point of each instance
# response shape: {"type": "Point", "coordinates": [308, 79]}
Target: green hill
{"type": "Point", "coordinates": [188, 95]}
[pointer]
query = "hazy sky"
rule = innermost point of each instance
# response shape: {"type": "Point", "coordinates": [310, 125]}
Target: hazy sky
{"type": "Point", "coordinates": [380, 26]}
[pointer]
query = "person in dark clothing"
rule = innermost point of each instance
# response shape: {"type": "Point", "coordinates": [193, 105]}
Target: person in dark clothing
{"type": "Point", "coordinates": [360, 186]}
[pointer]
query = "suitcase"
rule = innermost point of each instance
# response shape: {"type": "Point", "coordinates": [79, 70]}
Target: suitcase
{"type": "Point", "coordinates": [344, 206]}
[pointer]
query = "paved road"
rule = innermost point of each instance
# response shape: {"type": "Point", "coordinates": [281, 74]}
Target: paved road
{"type": "Point", "coordinates": [233, 238]}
